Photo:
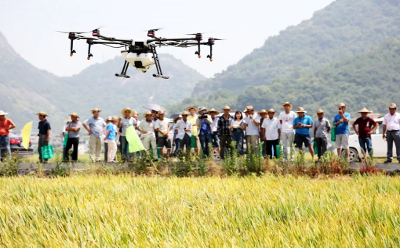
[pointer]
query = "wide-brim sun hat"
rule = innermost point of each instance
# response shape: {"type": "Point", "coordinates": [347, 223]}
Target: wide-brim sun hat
{"type": "Point", "coordinates": [271, 111]}
{"type": "Point", "coordinates": [95, 110]}
{"type": "Point", "coordinates": [364, 110]}
{"type": "Point", "coordinates": [109, 118]}
{"type": "Point", "coordinates": [74, 115]}
{"type": "Point", "coordinates": [180, 116]}
{"type": "Point", "coordinates": [114, 118]}
{"type": "Point", "coordinates": [287, 103]}
{"type": "Point", "coordinates": [301, 110]}
{"type": "Point", "coordinates": [192, 107]}
{"type": "Point", "coordinates": [263, 111]}
{"type": "Point", "coordinates": [393, 105]}
{"type": "Point", "coordinates": [185, 113]}
{"type": "Point", "coordinates": [3, 113]}
{"type": "Point", "coordinates": [213, 110]}
{"type": "Point", "coordinates": [42, 113]}
{"type": "Point", "coordinates": [249, 108]}
{"type": "Point", "coordinates": [320, 111]}
{"type": "Point", "coordinates": [160, 112]}
{"type": "Point", "coordinates": [126, 109]}
{"type": "Point", "coordinates": [226, 108]}
{"type": "Point", "coordinates": [343, 105]}
{"type": "Point", "coordinates": [147, 113]}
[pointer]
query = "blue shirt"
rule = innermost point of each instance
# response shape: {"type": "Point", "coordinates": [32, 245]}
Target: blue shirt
{"type": "Point", "coordinates": [306, 120]}
{"type": "Point", "coordinates": [205, 127]}
{"type": "Point", "coordinates": [342, 128]}
{"type": "Point", "coordinates": [111, 135]}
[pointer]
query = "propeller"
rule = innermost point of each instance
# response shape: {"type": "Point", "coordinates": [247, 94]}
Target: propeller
{"type": "Point", "coordinates": [64, 32]}
{"type": "Point", "coordinates": [198, 33]}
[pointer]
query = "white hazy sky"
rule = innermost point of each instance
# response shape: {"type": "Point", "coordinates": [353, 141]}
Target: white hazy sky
{"type": "Point", "coordinates": [30, 27]}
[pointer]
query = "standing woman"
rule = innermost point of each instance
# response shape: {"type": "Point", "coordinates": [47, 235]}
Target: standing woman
{"type": "Point", "coordinates": [238, 131]}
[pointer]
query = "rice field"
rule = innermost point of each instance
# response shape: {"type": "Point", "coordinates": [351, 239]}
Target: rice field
{"type": "Point", "coordinates": [267, 211]}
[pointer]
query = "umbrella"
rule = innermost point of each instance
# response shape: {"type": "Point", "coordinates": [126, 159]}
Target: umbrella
{"type": "Point", "coordinates": [155, 107]}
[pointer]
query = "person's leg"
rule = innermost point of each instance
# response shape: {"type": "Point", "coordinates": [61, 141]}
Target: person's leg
{"type": "Point", "coordinates": [369, 145]}
{"type": "Point", "coordinates": [223, 146]}
{"type": "Point", "coordinates": [308, 143]}
{"type": "Point", "coordinates": [216, 140]}
{"type": "Point", "coordinates": [396, 139]}
{"type": "Point", "coordinates": [290, 144]}
{"type": "Point", "coordinates": [203, 145]}
{"type": "Point", "coordinates": [318, 141]}
{"type": "Point", "coordinates": [7, 145]}
{"type": "Point", "coordinates": [124, 145]}
{"type": "Point", "coordinates": [160, 145]}
{"type": "Point", "coordinates": [42, 139]}
{"type": "Point", "coordinates": [105, 151]}
{"type": "Point", "coordinates": [154, 146]}
{"type": "Point", "coordinates": [112, 150]}
{"type": "Point", "coordinates": [98, 149]}
{"type": "Point", "coordinates": [168, 146]}
{"type": "Point", "coordinates": [240, 143]}
{"type": "Point", "coordinates": [208, 144]}
{"type": "Point", "coordinates": [339, 144]}
{"type": "Point", "coordinates": [285, 141]}
{"type": "Point", "coordinates": [345, 145]}
{"type": "Point", "coordinates": [177, 146]}
{"type": "Point", "coordinates": [324, 145]}
{"type": "Point", "coordinates": [390, 140]}
{"type": "Point", "coordinates": [92, 148]}
{"type": "Point", "coordinates": [2, 140]}
{"type": "Point", "coordinates": [75, 151]}
{"type": "Point", "coordinates": [67, 148]}
{"type": "Point", "coordinates": [268, 148]}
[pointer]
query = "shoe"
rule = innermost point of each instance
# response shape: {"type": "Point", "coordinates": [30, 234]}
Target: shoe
{"type": "Point", "coordinates": [387, 161]}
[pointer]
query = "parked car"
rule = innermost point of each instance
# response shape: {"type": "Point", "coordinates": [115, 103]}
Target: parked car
{"type": "Point", "coordinates": [379, 145]}
{"type": "Point", "coordinates": [16, 147]}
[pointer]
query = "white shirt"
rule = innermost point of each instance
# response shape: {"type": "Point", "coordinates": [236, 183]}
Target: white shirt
{"type": "Point", "coordinates": [125, 123]}
{"type": "Point", "coordinates": [271, 127]}
{"type": "Point", "coordinates": [252, 129]}
{"type": "Point", "coordinates": [147, 127]}
{"type": "Point", "coordinates": [214, 125]}
{"type": "Point", "coordinates": [287, 121]}
{"type": "Point", "coordinates": [162, 125]}
{"type": "Point", "coordinates": [392, 122]}
{"type": "Point", "coordinates": [181, 126]}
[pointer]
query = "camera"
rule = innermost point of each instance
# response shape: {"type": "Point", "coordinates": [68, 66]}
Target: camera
{"type": "Point", "coordinates": [203, 115]}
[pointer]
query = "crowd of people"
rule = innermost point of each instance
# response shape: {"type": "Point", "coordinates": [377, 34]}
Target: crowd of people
{"type": "Point", "coordinates": [200, 129]}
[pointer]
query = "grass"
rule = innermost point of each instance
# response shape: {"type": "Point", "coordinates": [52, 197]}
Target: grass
{"type": "Point", "coordinates": [266, 211]}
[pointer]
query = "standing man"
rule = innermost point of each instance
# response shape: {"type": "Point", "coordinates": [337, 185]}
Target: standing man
{"type": "Point", "coordinates": [124, 123]}
{"type": "Point", "coordinates": [183, 129]}
{"type": "Point", "coordinates": [204, 122]}
{"type": "Point", "coordinates": [192, 118]}
{"type": "Point", "coordinates": [146, 127]}
{"type": "Point", "coordinates": [5, 126]}
{"type": "Point", "coordinates": [271, 132]}
{"type": "Point", "coordinates": [44, 133]}
{"type": "Point", "coordinates": [73, 127]}
{"type": "Point", "coordinates": [162, 127]}
{"type": "Point", "coordinates": [286, 119]}
{"type": "Point", "coordinates": [391, 126]}
{"type": "Point", "coordinates": [263, 115]}
{"type": "Point", "coordinates": [214, 129]}
{"type": "Point", "coordinates": [252, 125]}
{"type": "Point", "coordinates": [224, 131]}
{"type": "Point", "coordinates": [95, 126]}
{"type": "Point", "coordinates": [341, 121]}
{"type": "Point", "coordinates": [321, 129]}
{"type": "Point", "coordinates": [110, 138]}
{"type": "Point", "coordinates": [364, 130]}
{"type": "Point", "coordinates": [302, 125]}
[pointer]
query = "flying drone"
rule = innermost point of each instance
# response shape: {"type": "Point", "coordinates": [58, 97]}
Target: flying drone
{"type": "Point", "coordinates": [141, 54]}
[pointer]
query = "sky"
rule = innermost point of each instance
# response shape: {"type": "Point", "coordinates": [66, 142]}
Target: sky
{"type": "Point", "coordinates": [30, 27]}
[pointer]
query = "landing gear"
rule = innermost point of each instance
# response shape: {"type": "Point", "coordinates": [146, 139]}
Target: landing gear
{"type": "Point", "coordinates": [123, 72]}
{"type": "Point", "coordinates": [157, 62]}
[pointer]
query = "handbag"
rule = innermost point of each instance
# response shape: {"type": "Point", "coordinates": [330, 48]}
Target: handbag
{"type": "Point", "coordinates": [333, 133]}
{"type": "Point", "coordinates": [47, 152]}
{"type": "Point", "coordinates": [192, 141]}
{"type": "Point", "coordinates": [315, 146]}
{"type": "Point", "coordinates": [65, 139]}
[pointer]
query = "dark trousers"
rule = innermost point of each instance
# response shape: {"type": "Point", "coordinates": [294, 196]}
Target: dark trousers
{"type": "Point", "coordinates": [238, 137]}
{"type": "Point", "coordinates": [124, 148]}
{"type": "Point", "coordinates": [225, 143]}
{"type": "Point", "coordinates": [269, 145]}
{"type": "Point", "coordinates": [205, 141]}
{"type": "Point", "coordinates": [177, 146]}
{"type": "Point", "coordinates": [185, 143]}
{"type": "Point", "coordinates": [72, 142]}
{"type": "Point", "coordinates": [322, 144]}
{"type": "Point", "coordinates": [393, 136]}
{"type": "Point", "coordinates": [42, 142]}
{"type": "Point", "coordinates": [105, 151]}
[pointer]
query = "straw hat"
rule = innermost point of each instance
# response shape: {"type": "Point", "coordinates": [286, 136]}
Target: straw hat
{"type": "Point", "coordinates": [249, 108]}
{"type": "Point", "coordinates": [147, 113]}
{"type": "Point", "coordinates": [3, 113]}
{"type": "Point", "coordinates": [192, 107]}
{"type": "Point", "coordinates": [245, 111]}
{"type": "Point", "coordinates": [109, 118]}
{"type": "Point", "coordinates": [226, 108]}
{"type": "Point", "coordinates": [213, 111]}
{"type": "Point", "coordinates": [180, 116]}
{"type": "Point", "coordinates": [126, 109]}
{"type": "Point", "coordinates": [364, 110]}
{"type": "Point", "coordinates": [393, 105]}
{"type": "Point", "coordinates": [343, 105]}
{"type": "Point", "coordinates": [95, 110]}
{"type": "Point", "coordinates": [42, 113]}
{"type": "Point", "coordinates": [160, 112]}
{"type": "Point", "coordinates": [287, 103]}
{"type": "Point", "coordinates": [134, 112]}
{"type": "Point", "coordinates": [115, 118]}
{"type": "Point", "coordinates": [301, 110]}
{"type": "Point", "coordinates": [271, 110]}
{"type": "Point", "coordinates": [185, 113]}
{"type": "Point", "coordinates": [74, 115]}
{"type": "Point", "coordinates": [263, 111]}
{"type": "Point", "coordinates": [320, 111]}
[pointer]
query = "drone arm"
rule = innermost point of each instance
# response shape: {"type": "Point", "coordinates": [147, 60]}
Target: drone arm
{"type": "Point", "coordinates": [72, 48]}
{"type": "Point", "coordinates": [210, 55]}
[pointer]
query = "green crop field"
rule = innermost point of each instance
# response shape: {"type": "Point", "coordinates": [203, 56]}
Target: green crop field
{"type": "Point", "coordinates": [266, 211]}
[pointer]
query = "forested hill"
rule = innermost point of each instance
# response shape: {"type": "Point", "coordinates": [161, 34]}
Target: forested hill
{"type": "Point", "coordinates": [343, 29]}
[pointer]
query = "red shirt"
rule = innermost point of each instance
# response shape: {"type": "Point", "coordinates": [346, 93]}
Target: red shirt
{"type": "Point", "coordinates": [364, 126]}
{"type": "Point", "coordinates": [4, 126]}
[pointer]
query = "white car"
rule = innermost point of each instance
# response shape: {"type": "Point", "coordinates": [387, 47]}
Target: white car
{"type": "Point", "coordinates": [379, 145]}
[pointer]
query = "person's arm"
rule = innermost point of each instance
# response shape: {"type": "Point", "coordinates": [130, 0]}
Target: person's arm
{"type": "Point", "coordinates": [310, 125]}
{"type": "Point", "coordinates": [87, 128]}
{"type": "Point", "coordinates": [48, 135]}
{"type": "Point", "coordinates": [295, 124]}
{"type": "Point", "coordinates": [375, 124]}
{"type": "Point", "coordinates": [168, 130]}
{"type": "Point", "coordinates": [354, 127]}
{"type": "Point", "coordinates": [328, 127]}
{"type": "Point", "coordinates": [12, 126]}
{"type": "Point", "coordinates": [279, 134]}
{"type": "Point", "coordinates": [75, 129]}
{"type": "Point", "coordinates": [256, 122]}
{"type": "Point", "coordinates": [107, 133]}
{"type": "Point", "coordinates": [315, 131]}
{"type": "Point", "coordinates": [384, 131]}
{"type": "Point", "coordinates": [343, 116]}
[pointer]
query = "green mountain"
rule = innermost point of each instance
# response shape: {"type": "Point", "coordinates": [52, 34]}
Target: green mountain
{"type": "Point", "coordinates": [338, 33]}
{"type": "Point", "coordinates": [25, 90]}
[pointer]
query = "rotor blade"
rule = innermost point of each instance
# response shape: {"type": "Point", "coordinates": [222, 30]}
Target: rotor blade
{"type": "Point", "coordinates": [64, 32]}
{"type": "Point", "coordinates": [198, 33]}
{"type": "Point", "coordinates": [218, 39]}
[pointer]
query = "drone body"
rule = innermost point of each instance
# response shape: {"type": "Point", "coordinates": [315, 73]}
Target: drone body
{"type": "Point", "coordinates": [141, 54]}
